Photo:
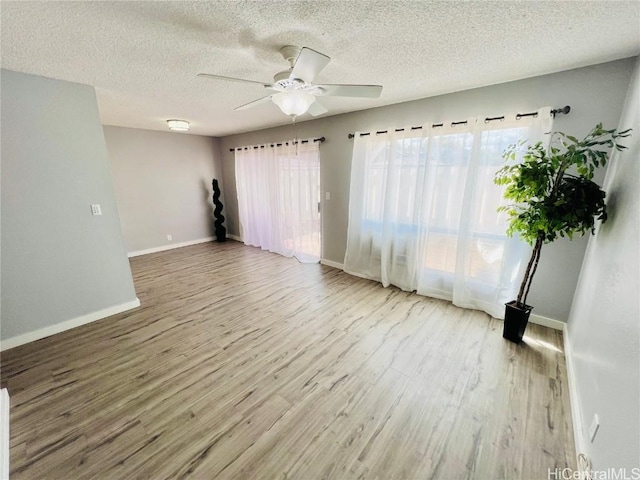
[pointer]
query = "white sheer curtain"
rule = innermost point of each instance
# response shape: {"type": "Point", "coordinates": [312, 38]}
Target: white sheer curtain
{"type": "Point", "coordinates": [278, 198]}
{"type": "Point", "coordinates": [422, 211]}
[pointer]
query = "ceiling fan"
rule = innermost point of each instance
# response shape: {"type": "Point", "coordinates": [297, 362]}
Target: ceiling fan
{"type": "Point", "coordinates": [295, 93]}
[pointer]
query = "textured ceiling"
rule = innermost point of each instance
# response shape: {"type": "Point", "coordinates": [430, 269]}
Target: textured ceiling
{"type": "Point", "coordinates": [142, 57]}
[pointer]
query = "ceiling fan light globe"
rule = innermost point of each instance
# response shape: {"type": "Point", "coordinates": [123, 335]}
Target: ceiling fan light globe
{"type": "Point", "coordinates": [293, 103]}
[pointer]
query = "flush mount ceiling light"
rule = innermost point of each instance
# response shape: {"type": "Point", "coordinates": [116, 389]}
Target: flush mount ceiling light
{"type": "Point", "coordinates": [178, 125]}
{"type": "Point", "coordinates": [293, 103]}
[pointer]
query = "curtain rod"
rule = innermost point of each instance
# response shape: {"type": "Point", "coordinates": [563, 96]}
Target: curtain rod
{"type": "Point", "coordinates": [554, 112]}
{"type": "Point", "coordinates": [321, 139]}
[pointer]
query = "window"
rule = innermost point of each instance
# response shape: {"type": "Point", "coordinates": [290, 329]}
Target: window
{"type": "Point", "coordinates": [422, 213]}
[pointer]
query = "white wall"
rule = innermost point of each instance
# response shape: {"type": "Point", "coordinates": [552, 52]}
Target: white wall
{"type": "Point", "coordinates": [594, 93]}
{"type": "Point", "coordinates": [604, 325]}
{"type": "Point", "coordinates": [163, 185]}
{"type": "Point", "coordinates": [58, 261]}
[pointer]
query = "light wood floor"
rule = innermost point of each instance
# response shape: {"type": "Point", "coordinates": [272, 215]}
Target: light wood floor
{"type": "Point", "coordinates": [244, 364]}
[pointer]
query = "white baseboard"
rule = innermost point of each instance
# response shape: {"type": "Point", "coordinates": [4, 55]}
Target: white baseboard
{"type": "Point", "coordinates": [234, 237]}
{"type": "Point", "coordinates": [171, 246]}
{"type": "Point", "coordinates": [547, 322]}
{"type": "Point", "coordinates": [4, 434]}
{"type": "Point", "coordinates": [67, 325]}
{"type": "Point", "coordinates": [576, 411]}
{"type": "Point", "coordinates": [330, 263]}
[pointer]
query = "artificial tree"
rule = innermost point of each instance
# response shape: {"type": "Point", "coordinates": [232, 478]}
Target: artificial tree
{"type": "Point", "coordinates": [553, 196]}
{"type": "Point", "coordinates": [221, 232]}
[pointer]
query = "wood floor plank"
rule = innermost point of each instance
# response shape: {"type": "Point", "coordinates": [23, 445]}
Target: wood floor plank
{"type": "Point", "coordinates": [245, 364]}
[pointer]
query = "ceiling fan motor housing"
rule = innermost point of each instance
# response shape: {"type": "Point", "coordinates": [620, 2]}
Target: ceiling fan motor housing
{"type": "Point", "coordinates": [283, 82]}
{"type": "Point", "coordinates": [283, 79]}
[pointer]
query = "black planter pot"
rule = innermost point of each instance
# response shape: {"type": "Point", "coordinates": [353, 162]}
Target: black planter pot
{"type": "Point", "coordinates": [515, 320]}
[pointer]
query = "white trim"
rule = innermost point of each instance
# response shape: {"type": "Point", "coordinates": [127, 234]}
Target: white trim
{"type": "Point", "coordinates": [547, 322]}
{"type": "Point", "coordinates": [576, 411]}
{"type": "Point", "coordinates": [331, 263]}
{"type": "Point", "coordinates": [146, 251]}
{"type": "Point", "coordinates": [234, 237]}
{"type": "Point", "coordinates": [67, 325]}
{"type": "Point", "coordinates": [4, 434]}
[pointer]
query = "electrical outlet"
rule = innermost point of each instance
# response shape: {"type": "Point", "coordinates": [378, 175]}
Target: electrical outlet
{"type": "Point", "coordinates": [169, 237]}
{"type": "Point", "coordinates": [95, 209]}
{"type": "Point", "coordinates": [327, 196]}
{"type": "Point", "coordinates": [593, 429]}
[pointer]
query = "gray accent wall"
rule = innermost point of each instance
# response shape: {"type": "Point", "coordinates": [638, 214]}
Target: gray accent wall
{"type": "Point", "coordinates": [58, 261]}
{"type": "Point", "coordinates": [604, 325]}
{"type": "Point", "coordinates": [595, 94]}
{"type": "Point", "coordinates": [163, 185]}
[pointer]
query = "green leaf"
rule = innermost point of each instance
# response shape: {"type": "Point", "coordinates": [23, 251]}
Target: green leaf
{"type": "Point", "coordinates": [551, 190]}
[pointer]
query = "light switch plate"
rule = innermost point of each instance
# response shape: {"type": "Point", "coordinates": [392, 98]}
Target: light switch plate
{"type": "Point", "coordinates": [95, 209]}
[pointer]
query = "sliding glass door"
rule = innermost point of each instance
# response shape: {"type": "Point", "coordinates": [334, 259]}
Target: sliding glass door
{"type": "Point", "coordinates": [279, 197]}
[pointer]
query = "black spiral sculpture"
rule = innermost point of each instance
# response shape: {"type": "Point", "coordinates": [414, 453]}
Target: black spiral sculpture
{"type": "Point", "coordinates": [221, 232]}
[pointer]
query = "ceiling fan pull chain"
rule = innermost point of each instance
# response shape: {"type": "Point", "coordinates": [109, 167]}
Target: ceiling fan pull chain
{"type": "Point", "coordinates": [295, 133]}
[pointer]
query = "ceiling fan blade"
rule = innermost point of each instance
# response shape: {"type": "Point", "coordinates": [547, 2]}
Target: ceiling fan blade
{"type": "Point", "coordinates": [316, 109]}
{"type": "Point", "coordinates": [232, 79]}
{"type": "Point", "coordinates": [308, 64]}
{"type": "Point", "coordinates": [364, 91]}
{"type": "Point", "coordinates": [254, 103]}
